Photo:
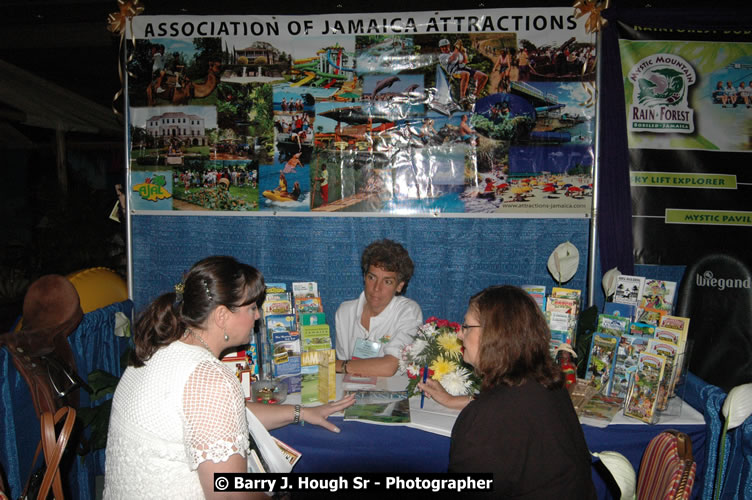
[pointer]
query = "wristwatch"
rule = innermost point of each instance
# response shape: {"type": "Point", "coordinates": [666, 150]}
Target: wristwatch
{"type": "Point", "coordinates": [344, 366]}
{"type": "Point", "coordinates": [296, 415]}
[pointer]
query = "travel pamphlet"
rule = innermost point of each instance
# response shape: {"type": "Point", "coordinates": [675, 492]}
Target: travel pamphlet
{"type": "Point", "coordinates": [291, 454]}
{"type": "Point", "coordinates": [305, 289]}
{"type": "Point", "coordinates": [538, 293]}
{"type": "Point", "coordinates": [276, 287]}
{"type": "Point", "coordinates": [630, 347]}
{"type": "Point", "coordinates": [670, 351]}
{"type": "Point", "coordinates": [642, 329]}
{"type": "Point", "coordinates": [600, 367]}
{"type": "Point", "coordinates": [624, 310]}
{"type": "Point", "coordinates": [642, 399]}
{"type": "Point", "coordinates": [649, 315]}
{"type": "Point", "coordinates": [629, 289]}
{"type": "Point", "coordinates": [315, 337]}
{"type": "Point", "coordinates": [658, 294]}
{"type": "Point", "coordinates": [277, 303]}
{"type": "Point", "coordinates": [600, 410]}
{"type": "Point", "coordinates": [613, 325]}
{"type": "Point", "coordinates": [379, 407]}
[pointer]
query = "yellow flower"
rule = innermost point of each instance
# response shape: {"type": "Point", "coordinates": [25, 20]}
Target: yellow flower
{"type": "Point", "coordinates": [441, 366]}
{"type": "Point", "coordinates": [450, 344]}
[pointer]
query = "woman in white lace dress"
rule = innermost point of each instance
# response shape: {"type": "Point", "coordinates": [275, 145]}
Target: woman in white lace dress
{"type": "Point", "coordinates": [178, 414]}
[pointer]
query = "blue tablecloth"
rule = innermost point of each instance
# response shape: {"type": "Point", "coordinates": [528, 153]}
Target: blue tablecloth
{"type": "Point", "coordinates": [376, 448]}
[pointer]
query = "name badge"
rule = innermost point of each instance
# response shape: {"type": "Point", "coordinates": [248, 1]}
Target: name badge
{"type": "Point", "coordinates": [365, 349]}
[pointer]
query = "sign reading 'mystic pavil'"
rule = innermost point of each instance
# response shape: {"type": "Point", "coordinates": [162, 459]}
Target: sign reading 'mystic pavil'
{"type": "Point", "coordinates": [659, 98]}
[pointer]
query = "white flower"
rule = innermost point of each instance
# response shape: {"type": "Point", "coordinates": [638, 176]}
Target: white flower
{"type": "Point", "coordinates": [406, 351]}
{"type": "Point", "coordinates": [418, 346]}
{"type": "Point", "coordinates": [429, 330]}
{"type": "Point", "coordinates": [622, 471]}
{"type": "Point", "coordinates": [738, 405]}
{"type": "Point", "coordinates": [413, 370]}
{"type": "Point", "coordinates": [609, 281]}
{"type": "Point", "coordinates": [403, 364]}
{"type": "Point", "coordinates": [457, 382]}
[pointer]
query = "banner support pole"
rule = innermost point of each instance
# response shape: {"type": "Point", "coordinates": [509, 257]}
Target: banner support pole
{"type": "Point", "coordinates": [593, 237]}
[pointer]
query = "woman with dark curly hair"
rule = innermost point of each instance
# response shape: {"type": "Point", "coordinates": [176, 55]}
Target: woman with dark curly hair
{"type": "Point", "coordinates": [178, 413]}
{"type": "Point", "coordinates": [522, 427]}
{"type": "Point", "coordinates": [372, 329]}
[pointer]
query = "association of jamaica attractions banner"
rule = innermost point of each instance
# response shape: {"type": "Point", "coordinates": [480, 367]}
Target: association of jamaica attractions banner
{"type": "Point", "coordinates": [688, 96]}
{"type": "Point", "coordinates": [463, 113]}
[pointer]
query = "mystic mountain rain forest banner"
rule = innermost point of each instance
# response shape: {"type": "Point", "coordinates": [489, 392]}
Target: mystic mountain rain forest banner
{"type": "Point", "coordinates": [688, 95]}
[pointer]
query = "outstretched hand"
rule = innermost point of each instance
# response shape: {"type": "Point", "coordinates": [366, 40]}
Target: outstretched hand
{"type": "Point", "coordinates": [434, 390]}
{"type": "Point", "coordinates": [318, 414]}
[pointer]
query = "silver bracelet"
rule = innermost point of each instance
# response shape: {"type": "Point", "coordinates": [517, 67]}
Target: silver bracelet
{"type": "Point", "coordinates": [296, 415]}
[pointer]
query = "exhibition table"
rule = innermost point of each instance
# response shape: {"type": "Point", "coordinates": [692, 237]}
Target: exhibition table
{"type": "Point", "coordinates": [363, 447]}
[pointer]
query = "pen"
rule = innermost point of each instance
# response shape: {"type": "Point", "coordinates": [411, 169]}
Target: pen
{"type": "Point", "coordinates": [423, 394]}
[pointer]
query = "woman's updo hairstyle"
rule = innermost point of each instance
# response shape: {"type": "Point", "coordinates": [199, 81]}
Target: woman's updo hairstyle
{"type": "Point", "coordinates": [211, 282]}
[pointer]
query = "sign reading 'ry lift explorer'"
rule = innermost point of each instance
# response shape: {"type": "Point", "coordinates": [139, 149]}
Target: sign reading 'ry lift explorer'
{"type": "Point", "coordinates": [681, 179]}
{"type": "Point", "coordinates": [711, 217]}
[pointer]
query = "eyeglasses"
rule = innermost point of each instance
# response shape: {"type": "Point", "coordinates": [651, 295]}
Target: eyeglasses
{"type": "Point", "coordinates": [467, 327]}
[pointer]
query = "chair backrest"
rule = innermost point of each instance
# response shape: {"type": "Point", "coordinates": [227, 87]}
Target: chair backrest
{"type": "Point", "coordinates": [716, 294]}
{"type": "Point", "coordinates": [667, 470]}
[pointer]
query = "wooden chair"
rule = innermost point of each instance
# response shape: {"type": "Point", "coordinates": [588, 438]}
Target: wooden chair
{"type": "Point", "coordinates": [667, 470]}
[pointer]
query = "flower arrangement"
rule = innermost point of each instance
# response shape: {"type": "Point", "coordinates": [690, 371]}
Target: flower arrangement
{"type": "Point", "coordinates": [437, 347]}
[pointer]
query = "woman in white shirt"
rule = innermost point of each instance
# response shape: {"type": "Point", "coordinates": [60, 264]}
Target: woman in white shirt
{"type": "Point", "coordinates": [178, 414]}
{"type": "Point", "coordinates": [372, 329]}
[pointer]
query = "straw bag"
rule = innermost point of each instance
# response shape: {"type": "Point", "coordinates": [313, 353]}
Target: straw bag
{"type": "Point", "coordinates": [53, 444]}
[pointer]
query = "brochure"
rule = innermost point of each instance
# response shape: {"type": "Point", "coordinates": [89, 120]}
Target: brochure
{"type": "Point", "coordinates": [276, 287]}
{"type": "Point", "coordinates": [356, 382]}
{"type": "Point", "coordinates": [629, 289]}
{"type": "Point", "coordinates": [670, 351]}
{"type": "Point", "coordinates": [305, 289]}
{"type": "Point", "coordinates": [630, 347]}
{"type": "Point", "coordinates": [315, 337]}
{"type": "Point", "coordinates": [616, 309]}
{"type": "Point", "coordinates": [613, 325]}
{"type": "Point", "coordinates": [600, 410]}
{"type": "Point", "coordinates": [649, 315]}
{"type": "Point", "coordinates": [379, 407]}
{"type": "Point", "coordinates": [642, 397]}
{"type": "Point", "coordinates": [600, 367]}
{"type": "Point", "coordinates": [658, 294]}
{"type": "Point", "coordinates": [291, 454]}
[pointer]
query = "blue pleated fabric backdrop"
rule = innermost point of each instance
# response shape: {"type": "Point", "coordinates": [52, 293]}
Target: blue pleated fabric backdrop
{"type": "Point", "coordinates": [454, 257]}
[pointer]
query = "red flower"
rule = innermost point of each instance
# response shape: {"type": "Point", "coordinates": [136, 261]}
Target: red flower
{"type": "Point", "coordinates": [432, 319]}
{"type": "Point", "coordinates": [430, 372]}
{"type": "Point", "coordinates": [441, 323]}
{"type": "Point", "coordinates": [456, 326]}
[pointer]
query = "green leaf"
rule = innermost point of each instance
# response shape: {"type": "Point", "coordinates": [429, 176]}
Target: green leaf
{"type": "Point", "coordinates": [102, 383]}
{"type": "Point", "coordinates": [97, 419]}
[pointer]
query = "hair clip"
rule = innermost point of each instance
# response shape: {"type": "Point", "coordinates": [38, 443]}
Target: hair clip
{"type": "Point", "coordinates": [206, 289]}
{"type": "Point", "coordinates": [179, 289]}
